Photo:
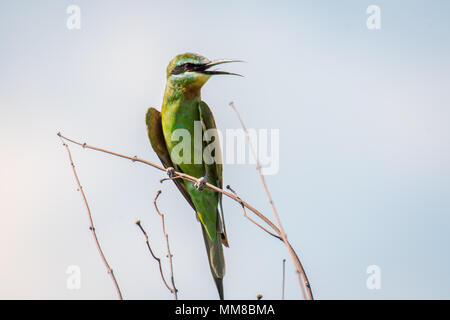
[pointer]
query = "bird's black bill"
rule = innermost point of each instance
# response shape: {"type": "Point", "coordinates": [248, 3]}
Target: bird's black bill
{"type": "Point", "coordinates": [203, 67]}
{"type": "Point", "coordinates": [215, 63]}
{"type": "Point", "coordinates": [213, 72]}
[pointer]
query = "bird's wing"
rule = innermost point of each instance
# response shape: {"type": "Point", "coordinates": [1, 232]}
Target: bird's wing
{"type": "Point", "coordinates": [208, 122]}
{"type": "Point", "coordinates": [156, 136]}
{"type": "Point", "coordinates": [213, 249]}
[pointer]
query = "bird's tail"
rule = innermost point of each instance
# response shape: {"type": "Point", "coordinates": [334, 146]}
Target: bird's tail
{"type": "Point", "coordinates": [216, 260]}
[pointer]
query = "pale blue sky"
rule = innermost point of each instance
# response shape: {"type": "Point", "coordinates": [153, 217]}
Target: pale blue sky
{"type": "Point", "coordinates": [365, 145]}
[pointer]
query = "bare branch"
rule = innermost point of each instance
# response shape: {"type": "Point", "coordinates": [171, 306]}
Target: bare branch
{"type": "Point", "coordinates": [91, 222]}
{"type": "Point", "coordinates": [166, 236]}
{"type": "Point", "coordinates": [177, 175]}
{"type": "Point", "coordinates": [138, 223]}
{"type": "Point", "coordinates": [245, 215]}
{"type": "Point", "coordinates": [298, 265]}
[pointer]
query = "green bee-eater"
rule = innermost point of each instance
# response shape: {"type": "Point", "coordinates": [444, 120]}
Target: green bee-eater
{"type": "Point", "coordinates": [181, 109]}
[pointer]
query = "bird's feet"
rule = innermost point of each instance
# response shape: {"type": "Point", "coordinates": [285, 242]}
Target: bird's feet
{"type": "Point", "coordinates": [170, 172]}
{"type": "Point", "coordinates": [200, 184]}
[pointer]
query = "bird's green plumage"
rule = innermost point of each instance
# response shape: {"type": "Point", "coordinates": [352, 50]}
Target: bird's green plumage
{"type": "Point", "coordinates": [182, 107]}
{"type": "Point", "coordinates": [181, 114]}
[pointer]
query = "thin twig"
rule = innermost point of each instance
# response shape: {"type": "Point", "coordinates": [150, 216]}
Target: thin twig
{"type": "Point", "coordinates": [166, 236]}
{"type": "Point", "coordinates": [245, 215]}
{"type": "Point", "coordinates": [91, 222]}
{"type": "Point", "coordinates": [298, 265]}
{"type": "Point", "coordinates": [138, 223]}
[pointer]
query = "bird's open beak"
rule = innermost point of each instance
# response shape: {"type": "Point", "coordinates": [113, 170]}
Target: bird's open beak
{"type": "Point", "coordinates": [206, 66]}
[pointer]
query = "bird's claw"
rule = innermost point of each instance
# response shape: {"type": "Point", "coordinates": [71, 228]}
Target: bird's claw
{"type": "Point", "coordinates": [170, 172]}
{"type": "Point", "coordinates": [200, 184]}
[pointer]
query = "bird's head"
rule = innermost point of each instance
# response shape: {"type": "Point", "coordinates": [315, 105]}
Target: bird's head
{"type": "Point", "coordinates": [190, 70]}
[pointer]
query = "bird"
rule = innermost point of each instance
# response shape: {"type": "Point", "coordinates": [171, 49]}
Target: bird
{"type": "Point", "coordinates": [184, 111]}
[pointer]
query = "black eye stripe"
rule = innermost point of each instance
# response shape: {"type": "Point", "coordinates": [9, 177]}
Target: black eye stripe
{"type": "Point", "coordinates": [186, 67]}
